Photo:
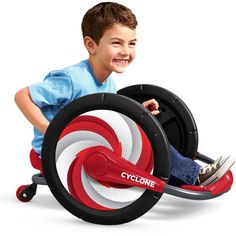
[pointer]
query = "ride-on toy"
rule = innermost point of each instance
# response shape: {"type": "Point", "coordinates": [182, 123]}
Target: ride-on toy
{"type": "Point", "coordinates": [105, 157]}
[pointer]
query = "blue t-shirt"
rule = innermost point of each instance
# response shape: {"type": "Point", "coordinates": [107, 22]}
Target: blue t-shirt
{"type": "Point", "coordinates": [60, 87]}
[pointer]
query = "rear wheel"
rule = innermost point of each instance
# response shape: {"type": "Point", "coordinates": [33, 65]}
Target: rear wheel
{"type": "Point", "coordinates": [25, 193]}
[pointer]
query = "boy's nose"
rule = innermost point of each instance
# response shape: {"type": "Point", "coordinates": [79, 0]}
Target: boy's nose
{"type": "Point", "coordinates": [124, 50]}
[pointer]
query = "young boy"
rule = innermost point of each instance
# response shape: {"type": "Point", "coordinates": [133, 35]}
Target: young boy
{"type": "Point", "coordinates": [109, 37]}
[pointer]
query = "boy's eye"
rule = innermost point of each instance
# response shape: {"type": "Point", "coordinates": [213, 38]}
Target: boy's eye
{"type": "Point", "coordinates": [132, 44]}
{"type": "Point", "coordinates": [116, 43]}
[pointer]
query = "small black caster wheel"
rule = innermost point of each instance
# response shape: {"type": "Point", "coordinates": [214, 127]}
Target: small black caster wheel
{"type": "Point", "coordinates": [26, 192]}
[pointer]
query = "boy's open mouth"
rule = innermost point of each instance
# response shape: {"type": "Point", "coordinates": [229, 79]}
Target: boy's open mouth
{"type": "Point", "coordinates": [121, 61]}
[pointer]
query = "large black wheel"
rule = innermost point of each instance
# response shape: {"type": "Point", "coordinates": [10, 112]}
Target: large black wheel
{"type": "Point", "coordinates": [115, 122]}
{"type": "Point", "coordinates": [175, 117]}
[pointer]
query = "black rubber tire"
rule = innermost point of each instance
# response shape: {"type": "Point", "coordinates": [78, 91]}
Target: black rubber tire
{"type": "Point", "coordinates": [144, 119]}
{"type": "Point", "coordinates": [175, 117]}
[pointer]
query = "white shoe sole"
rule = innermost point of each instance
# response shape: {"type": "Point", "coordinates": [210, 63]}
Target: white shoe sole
{"type": "Point", "coordinates": [226, 165]}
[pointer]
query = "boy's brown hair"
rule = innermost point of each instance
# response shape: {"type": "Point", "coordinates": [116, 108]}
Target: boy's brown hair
{"type": "Point", "coordinates": [104, 15]}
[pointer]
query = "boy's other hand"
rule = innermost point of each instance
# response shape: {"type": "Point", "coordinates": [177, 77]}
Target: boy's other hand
{"type": "Point", "coordinates": [152, 105]}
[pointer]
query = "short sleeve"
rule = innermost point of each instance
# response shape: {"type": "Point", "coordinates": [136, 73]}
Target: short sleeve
{"type": "Point", "coordinates": [56, 89]}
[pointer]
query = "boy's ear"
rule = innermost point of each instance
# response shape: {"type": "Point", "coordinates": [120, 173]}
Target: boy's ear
{"type": "Point", "coordinates": [90, 44]}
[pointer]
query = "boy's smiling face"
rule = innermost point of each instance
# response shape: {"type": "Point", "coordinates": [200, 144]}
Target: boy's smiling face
{"type": "Point", "coordinates": [114, 52]}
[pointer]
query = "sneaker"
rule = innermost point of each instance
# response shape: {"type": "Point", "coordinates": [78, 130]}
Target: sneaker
{"type": "Point", "coordinates": [209, 174]}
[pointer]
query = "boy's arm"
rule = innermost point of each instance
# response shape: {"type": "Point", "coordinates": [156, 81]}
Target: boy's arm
{"type": "Point", "coordinates": [30, 110]}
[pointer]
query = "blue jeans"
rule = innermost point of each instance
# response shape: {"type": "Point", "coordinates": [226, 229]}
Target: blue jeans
{"type": "Point", "coordinates": [183, 169]}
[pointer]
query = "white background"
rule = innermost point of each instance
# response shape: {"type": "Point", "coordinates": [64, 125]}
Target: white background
{"type": "Point", "coordinates": [187, 47]}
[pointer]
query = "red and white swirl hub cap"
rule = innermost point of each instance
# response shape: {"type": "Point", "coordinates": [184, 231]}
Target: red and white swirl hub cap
{"type": "Point", "coordinates": [105, 160]}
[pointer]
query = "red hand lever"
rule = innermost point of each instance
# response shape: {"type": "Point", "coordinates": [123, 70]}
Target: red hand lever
{"type": "Point", "coordinates": [104, 165]}
{"type": "Point", "coordinates": [151, 107]}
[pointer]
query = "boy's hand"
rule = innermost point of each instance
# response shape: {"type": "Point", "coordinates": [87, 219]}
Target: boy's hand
{"type": "Point", "coordinates": [152, 105]}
